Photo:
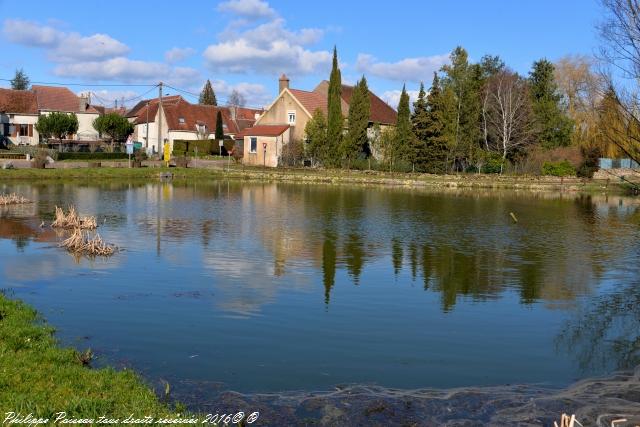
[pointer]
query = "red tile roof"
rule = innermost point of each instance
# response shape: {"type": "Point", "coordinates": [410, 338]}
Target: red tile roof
{"type": "Point", "coordinates": [381, 112]}
{"type": "Point", "coordinates": [137, 110]}
{"type": "Point", "coordinates": [56, 99]}
{"type": "Point", "coordinates": [263, 130]}
{"type": "Point", "coordinates": [18, 101]}
{"type": "Point", "coordinates": [311, 101]}
{"type": "Point", "coordinates": [184, 116]}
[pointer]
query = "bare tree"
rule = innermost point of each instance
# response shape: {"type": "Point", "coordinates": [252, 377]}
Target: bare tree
{"type": "Point", "coordinates": [509, 116]}
{"type": "Point", "coordinates": [236, 99]}
{"type": "Point", "coordinates": [620, 32]}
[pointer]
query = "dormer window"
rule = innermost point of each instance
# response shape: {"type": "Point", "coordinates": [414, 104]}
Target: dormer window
{"type": "Point", "coordinates": [291, 117]}
{"type": "Point", "coordinates": [181, 120]}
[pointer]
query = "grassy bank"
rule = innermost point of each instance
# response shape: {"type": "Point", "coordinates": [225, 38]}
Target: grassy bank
{"type": "Point", "coordinates": [37, 377]}
{"type": "Point", "coordinates": [534, 183]}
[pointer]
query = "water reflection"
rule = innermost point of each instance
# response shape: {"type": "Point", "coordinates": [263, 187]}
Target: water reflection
{"type": "Point", "coordinates": [456, 245]}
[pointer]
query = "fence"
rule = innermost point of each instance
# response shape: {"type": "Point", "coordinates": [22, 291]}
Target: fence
{"type": "Point", "coordinates": [606, 163]}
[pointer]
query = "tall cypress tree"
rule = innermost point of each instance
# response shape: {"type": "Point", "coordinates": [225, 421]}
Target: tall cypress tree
{"type": "Point", "coordinates": [554, 127]}
{"type": "Point", "coordinates": [433, 129]}
{"type": "Point", "coordinates": [419, 122]}
{"type": "Point", "coordinates": [219, 128]}
{"type": "Point", "coordinates": [20, 80]}
{"type": "Point", "coordinates": [356, 140]}
{"type": "Point", "coordinates": [335, 121]}
{"type": "Point", "coordinates": [404, 132]}
{"type": "Point", "coordinates": [207, 96]}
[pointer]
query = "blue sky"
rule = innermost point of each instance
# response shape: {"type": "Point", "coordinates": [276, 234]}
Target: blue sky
{"type": "Point", "coordinates": [246, 44]}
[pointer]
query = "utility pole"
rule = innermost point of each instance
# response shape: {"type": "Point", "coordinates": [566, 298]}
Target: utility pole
{"type": "Point", "coordinates": [160, 145]}
{"type": "Point", "coordinates": [146, 143]}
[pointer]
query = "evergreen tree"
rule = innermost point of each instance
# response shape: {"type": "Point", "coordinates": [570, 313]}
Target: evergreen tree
{"type": "Point", "coordinates": [219, 127]}
{"type": "Point", "coordinates": [316, 132]}
{"type": "Point", "coordinates": [419, 122]}
{"type": "Point", "coordinates": [434, 129]}
{"type": "Point", "coordinates": [404, 134]}
{"type": "Point", "coordinates": [553, 126]}
{"type": "Point", "coordinates": [356, 140]}
{"type": "Point", "coordinates": [208, 96]}
{"type": "Point", "coordinates": [462, 84]}
{"type": "Point", "coordinates": [20, 80]}
{"type": "Point", "coordinates": [335, 121]}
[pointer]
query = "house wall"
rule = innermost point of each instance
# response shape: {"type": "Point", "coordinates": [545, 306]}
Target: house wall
{"type": "Point", "coordinates": [86, 131]}
{"type": "Point", "coordinates": [273, 152]}
{"type": "Point", "coordinates": [278, 115]}
{"type": "Point", "coordinates": [140, 133]}
{"type": "Point", "coordinates": [14, 121]}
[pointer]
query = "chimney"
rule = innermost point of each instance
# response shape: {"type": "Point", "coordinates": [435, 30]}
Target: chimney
{"type": "Point", "coordinates": [83, 103]}
{"type": "Point", "coordinates": [284, 83]}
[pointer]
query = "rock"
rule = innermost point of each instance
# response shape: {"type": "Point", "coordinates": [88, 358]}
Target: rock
{"type": "Point", "coordinates": [7, 165]}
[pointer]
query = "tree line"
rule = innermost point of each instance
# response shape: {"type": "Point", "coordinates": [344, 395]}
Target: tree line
{"type": "Point", "coordinates": [478, 117]}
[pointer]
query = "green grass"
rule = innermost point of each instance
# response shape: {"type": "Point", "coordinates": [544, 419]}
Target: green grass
{"type": "Point", "coordinates": [37, 377]}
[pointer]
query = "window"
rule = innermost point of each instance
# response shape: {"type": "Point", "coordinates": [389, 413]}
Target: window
{"type": "Point", "coordinates": [181, 120]}
{"type": "Point", "coordinates": [292, 117]}
{"type": "Point", "coordinates": [254, 145]}
{"type": "Point", "coordinates": [24, 130]}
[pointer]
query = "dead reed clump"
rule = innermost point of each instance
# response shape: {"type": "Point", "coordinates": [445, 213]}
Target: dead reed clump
{"type": "Point", "coordinates": [13, 199]}
{"type": "Point", "coordinates": [71, 219]}
{"type": "Point", "coordinates": [80, 242]}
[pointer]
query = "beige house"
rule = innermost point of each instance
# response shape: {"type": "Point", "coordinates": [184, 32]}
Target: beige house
{"type": "Point", "coordinates": [20, 109]}
{"type": "Point", "coordinates": [181, 120]}
{"type": "Point", "coordinates": [263, 144]}
{"type": "Point", "coordinates": [294, 108]}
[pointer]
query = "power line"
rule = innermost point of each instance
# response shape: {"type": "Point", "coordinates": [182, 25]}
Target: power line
{"type": "Point", "coordinates": [126, 100]}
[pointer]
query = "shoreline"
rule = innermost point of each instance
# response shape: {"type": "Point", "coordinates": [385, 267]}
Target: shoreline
{"type": "Point", "coordinates": [45, 379]}
{"type": "Point", "coordinates": [405, 180]}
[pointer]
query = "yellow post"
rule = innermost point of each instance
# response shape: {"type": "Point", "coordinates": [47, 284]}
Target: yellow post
{"type": "Point", "coordinates": [167, 154]}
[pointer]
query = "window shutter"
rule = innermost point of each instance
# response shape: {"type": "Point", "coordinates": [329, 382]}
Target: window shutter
{"type": "Point", "coordinates": [30, 130]}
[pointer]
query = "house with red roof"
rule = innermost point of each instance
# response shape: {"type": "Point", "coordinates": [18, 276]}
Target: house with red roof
{"type": "Point", "coordinates": [292, 109]}
{"type": "Point", "coordinates": [180, 120]}
{"type": "Point", "coordinates": [20, 109]}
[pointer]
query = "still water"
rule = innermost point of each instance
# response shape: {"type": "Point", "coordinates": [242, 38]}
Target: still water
{"type": "Point", "coordinates": [272, 287]}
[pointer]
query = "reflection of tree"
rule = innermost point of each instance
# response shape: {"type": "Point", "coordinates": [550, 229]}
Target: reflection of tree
{"type": "Point", "coordinates": [354, 256]}
{"type": "Point", "coordinates": [328, 265]}
{"type": "Point", "coordinates": [396, 255]}
{"type": "Point", "coordinates": [413, 259]}
{"type": "Point", "coordinates": [605, 335]}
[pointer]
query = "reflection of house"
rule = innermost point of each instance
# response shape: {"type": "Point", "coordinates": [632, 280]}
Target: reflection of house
{"type": "Point", "coordinates": [20, 109]}
{"type": "Point", "coordinates": [181, 120]}
{"type": "Point", "coordinates": [294, 108]}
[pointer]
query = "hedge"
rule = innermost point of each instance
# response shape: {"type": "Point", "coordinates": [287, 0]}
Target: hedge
{"type": "Point", "coordinates": [205, 147]}
{"type": "Point", "coordinates": [92, 156]}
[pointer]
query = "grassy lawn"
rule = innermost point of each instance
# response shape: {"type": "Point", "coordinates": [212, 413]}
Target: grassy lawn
{"type": "Point", "coordinates": [37, 377]}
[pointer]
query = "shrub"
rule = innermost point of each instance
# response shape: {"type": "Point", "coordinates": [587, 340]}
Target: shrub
{"type": "Point", "coordinates": [590, 164]}
{"type": "Point", "coordinates": [494, 163]}
{"type": "Point", "coordinates": [563, 168]}
{"type": "Point", "coordinates": [40, 160]}
{"type": "Point", "coordinates": [292, 154]}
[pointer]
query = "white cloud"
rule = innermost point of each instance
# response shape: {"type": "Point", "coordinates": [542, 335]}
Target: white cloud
{"type": "Point", "coordinates": [392, 97]}
{"type": "Point", "coordinates": [178, 54]}
{"type": "Point", "coordinates": [128, 70]}
{"type": "Point", "coordinates": [266, 48]}
{"type": "Point", "coordinates": [255, 94]}
{"type": "Point", "coordinates": [409, 69]}
{"type": "Point", "coordinates": [249, 9]}
{"type": "Point", "coordinates": [241, 56]}
{"type": "Point", "coordinates": [62, 46]}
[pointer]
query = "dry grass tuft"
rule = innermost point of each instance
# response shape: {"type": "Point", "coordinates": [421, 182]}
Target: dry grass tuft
{"type": "Point", "coordinates": [72, 220]}
{"type": "Point", "coordinates": [567, 421]}
{"type": "Point", "coordinates": [81, 243]}
{"type": "Point", "coordinates": [13, 199]}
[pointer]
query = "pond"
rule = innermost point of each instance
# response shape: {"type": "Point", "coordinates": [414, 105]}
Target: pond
{"type": "Point", "coordinates": [273, 287]}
